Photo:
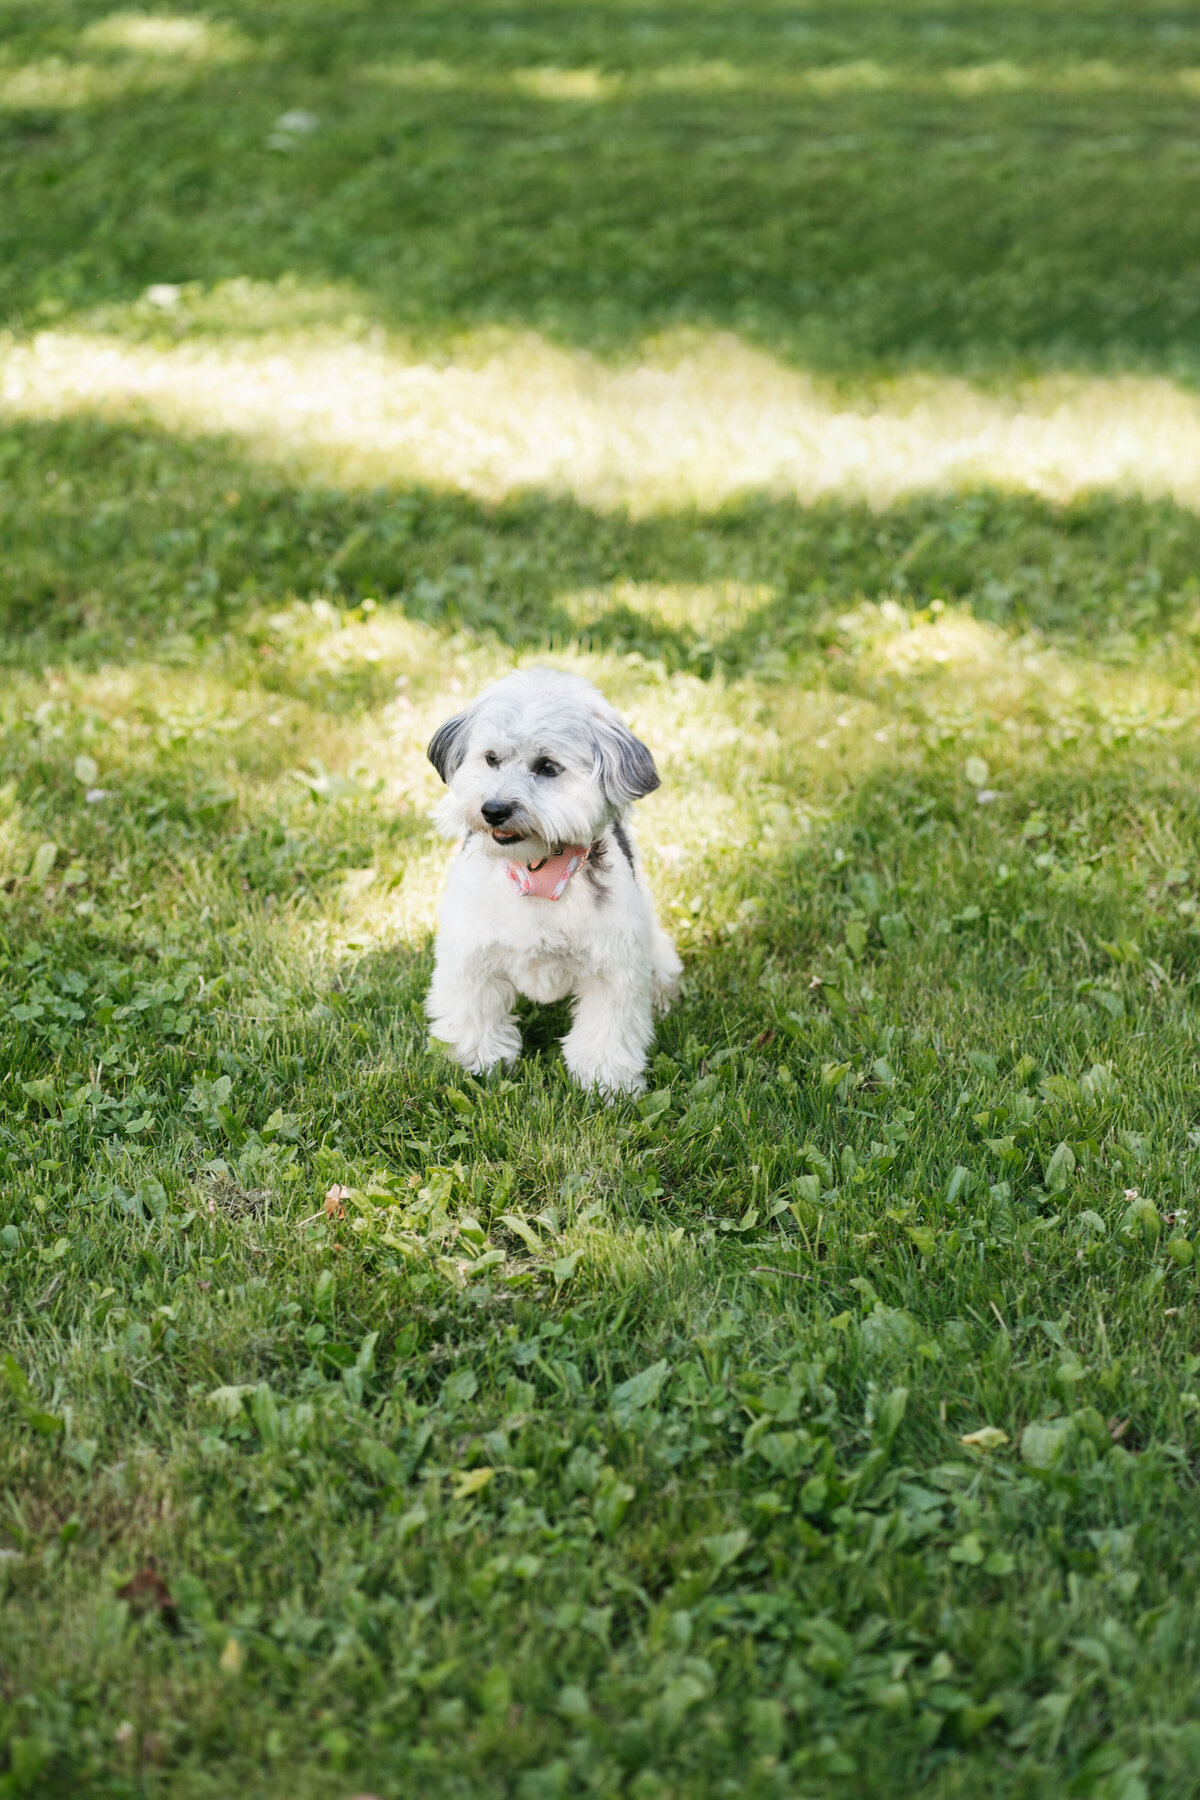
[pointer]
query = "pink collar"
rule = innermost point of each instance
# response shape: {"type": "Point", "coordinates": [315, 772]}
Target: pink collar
{"type": "Point", "coordinates": [548, 879]}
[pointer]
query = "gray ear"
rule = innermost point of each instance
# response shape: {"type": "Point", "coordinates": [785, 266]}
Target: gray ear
{"type": "Point", "coordinates": [448, 746]}
{"type": "Point", "coordinates": [626, 767]}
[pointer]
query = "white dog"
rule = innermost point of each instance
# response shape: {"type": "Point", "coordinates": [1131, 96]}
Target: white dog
{"type": "Point", "coordinates": [546, 896]}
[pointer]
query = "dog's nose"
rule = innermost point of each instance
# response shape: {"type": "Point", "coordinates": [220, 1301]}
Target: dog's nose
{"type": "Point", "coordinates": [495, 811]}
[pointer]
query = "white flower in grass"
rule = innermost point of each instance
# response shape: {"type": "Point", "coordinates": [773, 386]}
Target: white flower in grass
{"type": "Point", "coordinates": [290, 127]}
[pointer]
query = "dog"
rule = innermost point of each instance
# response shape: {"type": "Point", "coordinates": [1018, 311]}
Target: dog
{"type": "Point", "coordinates": [546, 897]}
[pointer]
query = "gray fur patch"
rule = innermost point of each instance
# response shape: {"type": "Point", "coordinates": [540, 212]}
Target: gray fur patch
{"type": "Point", "coordinates": [594, 869]}
{"type": "Point", "coordinates": [448, 746]}
{"type": "Point", "coordinates": [626, 767]}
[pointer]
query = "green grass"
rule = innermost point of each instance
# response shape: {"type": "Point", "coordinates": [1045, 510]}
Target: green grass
{"type": "Point", "coordinates": [964, 185]}
{"type": "Point", "coordinates": [601, 1450]}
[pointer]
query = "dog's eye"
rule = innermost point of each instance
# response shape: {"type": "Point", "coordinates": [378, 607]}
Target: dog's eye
{"type": "Point", "coordinates": [492, 760]}
{"type": "Point", "coordinates": [543, 766]}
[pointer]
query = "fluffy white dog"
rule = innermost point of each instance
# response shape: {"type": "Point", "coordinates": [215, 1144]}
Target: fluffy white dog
{"type": "Point", "coordinates": [546, 896]}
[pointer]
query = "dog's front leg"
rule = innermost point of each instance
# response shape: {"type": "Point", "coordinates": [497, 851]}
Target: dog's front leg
{"type": "Point", "coordinates": [606, 1046]}
{"type": "Point", "coordinates": [470, 1014]}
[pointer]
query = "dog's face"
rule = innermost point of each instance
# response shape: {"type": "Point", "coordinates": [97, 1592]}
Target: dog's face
{"type": "Point", "coordinates": [538, 761]}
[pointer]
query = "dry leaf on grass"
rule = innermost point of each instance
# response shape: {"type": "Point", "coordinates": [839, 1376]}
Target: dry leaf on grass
{"type": "Point", "coordinates": [146, 1593]}
{"type": "Point", "coordinates": [988, 1437]}
{"type": "Point", "coordinates": [335, 1199]}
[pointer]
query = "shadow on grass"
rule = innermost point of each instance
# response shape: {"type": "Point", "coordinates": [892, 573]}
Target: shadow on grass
{"type": "Point", "coordinates": [124, 543]}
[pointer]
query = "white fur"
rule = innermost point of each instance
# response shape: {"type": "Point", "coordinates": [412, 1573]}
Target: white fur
{"type": "Point", "coordinates": [601, 941]}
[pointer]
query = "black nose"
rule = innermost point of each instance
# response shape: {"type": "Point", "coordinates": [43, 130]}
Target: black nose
{"type": "Point", "coordinates": [495, 811]}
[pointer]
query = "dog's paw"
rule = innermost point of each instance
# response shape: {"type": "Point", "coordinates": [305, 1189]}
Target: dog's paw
{"type": "Point", "coordinates": [662, 995]}
{"type": "Point", "coordinates": [498, 1050]}
{"type": "Point", "coordinates": [612, 1083]}
{"type": "Point", "coordinates": [665, 974]}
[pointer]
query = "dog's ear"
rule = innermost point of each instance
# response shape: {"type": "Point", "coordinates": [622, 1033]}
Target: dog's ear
{"type": "Point", "coordinates": [626, 767]}
{"type": "Point", "coordinates": [448, 746]}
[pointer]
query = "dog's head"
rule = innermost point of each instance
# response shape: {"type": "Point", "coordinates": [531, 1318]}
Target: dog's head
{"type": "Point", "coordinates": [538, 761]}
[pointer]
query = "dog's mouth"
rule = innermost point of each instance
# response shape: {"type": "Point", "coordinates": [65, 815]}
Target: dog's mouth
{"type": "Point", "coordinates": [500, 836]}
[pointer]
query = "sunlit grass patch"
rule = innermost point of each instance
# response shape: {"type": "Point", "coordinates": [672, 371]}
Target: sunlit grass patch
{"type": "Point", "coordinates": [965, 81]}
{"type": "Point", "coordinates": [788, 77]}
{"type": "Point", "coordinates": [191, 38]}
{"type": "Point", "coordinates": [699, 421]}
{"type": "Point", "coordinates": [565, 84]}
{"type": "Point", "coordinates": [55, 82]}
{"type": "Point", "coordinates": [122, 55]}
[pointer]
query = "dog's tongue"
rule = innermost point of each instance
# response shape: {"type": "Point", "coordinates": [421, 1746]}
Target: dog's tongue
{"type": "Point", "coordinates": [548, 880]}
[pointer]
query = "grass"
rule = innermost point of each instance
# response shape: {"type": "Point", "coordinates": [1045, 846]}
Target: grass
{"type": "Point", "coordinates": [822, 384]}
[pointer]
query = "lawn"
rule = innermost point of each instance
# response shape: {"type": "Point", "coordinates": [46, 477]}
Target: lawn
{"type": "Point", "coordinates": [821, 381]}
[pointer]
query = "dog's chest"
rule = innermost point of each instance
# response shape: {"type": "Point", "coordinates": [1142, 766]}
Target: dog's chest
{"type": "Point", "coordinates": [541, 953]}
{"type": "Point", "coordinates": [544, 978]}
{"type": "Point", "coordinates": [546, 947]}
